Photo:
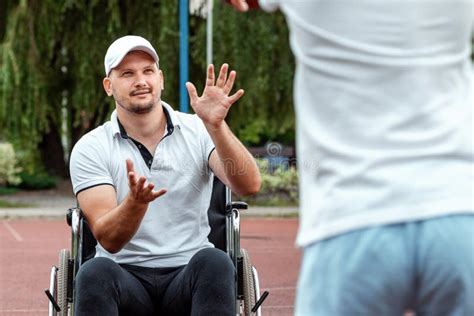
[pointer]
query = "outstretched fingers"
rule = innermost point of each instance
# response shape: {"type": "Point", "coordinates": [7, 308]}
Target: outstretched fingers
{"type": "Point", "coordinates": [157, 194]}
{"type": "Point", "coordinates": [221, 80]}
{"type": "Point", "coordinates": [193, 96]}
{"type": "Point", "coordinates": [131, 174]}
{"type": "Point", "coordinates": [236, 96]}
{"type": "Point", "coordinates": [230, 82]}
{"type": "Point", "coordinates": [210, 81]}
{"type": "Point", "coordinates": [147, 189]}
{"type": "Point", "coordinates": [139, 189]}
{"type": "Point", "coordinates": [129, 164]}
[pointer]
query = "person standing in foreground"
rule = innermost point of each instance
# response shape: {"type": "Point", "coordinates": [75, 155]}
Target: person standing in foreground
{"type": "Point", "coordinates": [153, 255]}
{"type": "Point", "coordinates": [384, 110]}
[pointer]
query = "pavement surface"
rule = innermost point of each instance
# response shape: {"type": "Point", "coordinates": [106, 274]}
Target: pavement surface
{"type": "Point", "coordinates": [30, 247]}
{"type": "Point", "coordinates": [31, 238]}
{"type": "Point", "coordinates": [54, 203]}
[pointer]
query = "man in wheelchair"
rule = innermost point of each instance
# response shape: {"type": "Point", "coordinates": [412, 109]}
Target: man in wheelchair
{"type": "Point", "coordinates": [143, 181]}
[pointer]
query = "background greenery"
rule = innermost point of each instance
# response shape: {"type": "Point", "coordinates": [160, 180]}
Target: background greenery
{"type": "Point", "coordinates": [51, 70]}
{"type": "Point", "coordinates": [279, 186]}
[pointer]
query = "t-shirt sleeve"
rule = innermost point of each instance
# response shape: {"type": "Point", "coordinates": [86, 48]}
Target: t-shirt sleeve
{"type": "Point", "coordinates": [88, 165]}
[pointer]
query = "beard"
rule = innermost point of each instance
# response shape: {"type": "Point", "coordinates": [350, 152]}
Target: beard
{"type": "Point", "coordinates": [136, 108]}
{"type": "Point", "coordinates": [140, 108]}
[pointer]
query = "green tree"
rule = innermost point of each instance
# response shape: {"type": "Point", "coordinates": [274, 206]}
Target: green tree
{"type": "Point", "coordinates": [51, 54]}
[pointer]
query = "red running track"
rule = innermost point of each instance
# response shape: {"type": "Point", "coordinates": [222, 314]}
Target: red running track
{"type": "Point", "coordinates": [28, 249]}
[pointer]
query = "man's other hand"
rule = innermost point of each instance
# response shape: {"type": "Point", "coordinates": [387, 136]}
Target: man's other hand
{"type": "Point", "coordinates": [140, 192]}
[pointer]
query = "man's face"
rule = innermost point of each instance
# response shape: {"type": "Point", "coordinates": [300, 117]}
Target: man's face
{"type": "Point", "coordinates": [136, 83]}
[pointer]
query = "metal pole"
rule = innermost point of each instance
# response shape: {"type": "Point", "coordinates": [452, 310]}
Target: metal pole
{"type": "Point", "coordinates": [231, 220]}
{"type": "Point", "coordinates": [210, 7]}
{"type": "Point", "coordinates": [183, 55]}
{"type": "Point", "coordinates": [209, 57]}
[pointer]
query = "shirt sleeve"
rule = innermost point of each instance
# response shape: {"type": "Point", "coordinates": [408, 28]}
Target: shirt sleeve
{"type": "Point", "coordinates": [88, 166]}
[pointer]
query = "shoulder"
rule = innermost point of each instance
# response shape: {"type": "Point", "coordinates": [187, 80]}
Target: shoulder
{"type": "Point", "coordinates": [187, 122]}
{"type": "Point", "coordinates": [187, 119]}
{"type": "Point", "coordinates": [94, 141]}
{"type": "Point", "coordinates": [192, 125]}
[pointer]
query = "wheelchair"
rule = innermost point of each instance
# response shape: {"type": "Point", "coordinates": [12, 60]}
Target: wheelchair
{"type": "Point", "coordinates": [224, 220]}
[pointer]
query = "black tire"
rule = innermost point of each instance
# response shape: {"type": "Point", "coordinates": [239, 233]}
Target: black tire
{"type": "Point", "coordinates": [248, 283]}
{"type": "Point", "coordinates": [61, 297]}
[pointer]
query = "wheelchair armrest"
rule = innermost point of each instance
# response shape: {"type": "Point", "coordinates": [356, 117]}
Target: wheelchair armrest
{"type": "Point", "coordinates": [237, 205]}
{"type": "Point", "coordinates": [69, 216]}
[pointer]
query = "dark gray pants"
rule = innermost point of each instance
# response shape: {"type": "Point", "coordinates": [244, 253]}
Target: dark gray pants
{"type": "Point", "coordinates": [205, 286]}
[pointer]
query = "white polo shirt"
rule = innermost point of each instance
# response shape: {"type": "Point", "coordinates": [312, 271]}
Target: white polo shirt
{"type": "Point", "coordinates": [175, 225]}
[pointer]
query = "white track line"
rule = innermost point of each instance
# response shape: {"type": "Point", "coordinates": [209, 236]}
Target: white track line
{"type": "Point", "coordinates": [283, 288]}
{"type": "Point", "coordinates": [13, 232]}
{"type": "Point", "coordinates": [277, 306]}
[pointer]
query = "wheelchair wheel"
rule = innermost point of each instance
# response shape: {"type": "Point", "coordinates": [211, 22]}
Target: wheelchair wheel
{"type": "Point", "coordinates": [64, 257]}
{"type": "Point", "coordinates": [248, 283]}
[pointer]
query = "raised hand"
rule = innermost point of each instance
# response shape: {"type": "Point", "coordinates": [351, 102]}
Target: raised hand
{"type": "Point", "coordinates": [240, 5]}
{"type": "Point", "coordinates": [212, 107]}
{"type": "Point", "coordinates": [140, 192]}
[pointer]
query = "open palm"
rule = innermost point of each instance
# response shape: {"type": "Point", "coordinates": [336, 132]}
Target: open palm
{"type": "Point", "coordinates": [214, 104]}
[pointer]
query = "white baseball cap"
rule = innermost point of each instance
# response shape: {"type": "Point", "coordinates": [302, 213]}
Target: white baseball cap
{"type": "Point", "coordinates": [122, 46]}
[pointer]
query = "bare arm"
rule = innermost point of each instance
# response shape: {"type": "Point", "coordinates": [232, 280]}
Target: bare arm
{"type": "Point", "coordinates": [112, 224]}
{"type": "Point", "coordinates": [233, 164]}
{"type": "Point", "coordinates": [231, 161]}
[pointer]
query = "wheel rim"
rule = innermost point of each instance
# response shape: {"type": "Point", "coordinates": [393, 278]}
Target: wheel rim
{"type": "Point", "coordinates": [248, 283]}
{"type": "Point", "coordinates": [64, 257]}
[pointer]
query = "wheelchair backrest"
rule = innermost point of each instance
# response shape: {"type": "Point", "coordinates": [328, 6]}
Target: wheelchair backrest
{"type": "Point", "coordinates": [215, 213]}
{"type": "Point", "coordinates": [88, 241]}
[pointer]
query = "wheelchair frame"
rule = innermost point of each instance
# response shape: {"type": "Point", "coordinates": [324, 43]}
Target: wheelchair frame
{"type": "Point", "coordinates": [61, 291]}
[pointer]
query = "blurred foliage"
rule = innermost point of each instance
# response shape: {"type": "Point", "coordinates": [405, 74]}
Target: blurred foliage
{"type": "Point", "coordinates": [37, 181]}
{"type": "Point", "coordinates": [256, 45]}
{"type": "Point", "coordinates": [8, 165]}
{"type": "Point", "coordinates": [279, 186]}
{"type": "Point", "coordinates": [8, 190]}
{"type": "Point", "coordinates": [51, 66]}
{"type": "Point", "coordinates": [9, 204]}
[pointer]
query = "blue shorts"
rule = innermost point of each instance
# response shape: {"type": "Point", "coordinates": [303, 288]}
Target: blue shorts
{"type": "Point", "coordinates": [424, 266]}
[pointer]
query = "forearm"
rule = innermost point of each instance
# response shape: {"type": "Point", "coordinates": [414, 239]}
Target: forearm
{"type": "Point", "coordinates": [238, 164]}
{"type": "Point", "coordinates": [115, 229]}
{"type": "Point", "coordinates": [232, 162]}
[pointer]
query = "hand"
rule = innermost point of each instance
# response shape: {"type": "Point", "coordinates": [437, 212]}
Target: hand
{"type": "Point", "coordinates": [240, 5]}
{"type": "Point", "coordinates": [214, 104]}
{"type": "Point", "coordinates": [139, 192]}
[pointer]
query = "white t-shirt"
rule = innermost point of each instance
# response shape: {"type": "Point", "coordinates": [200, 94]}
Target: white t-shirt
{"type": "Point", "coordinates": [175, 225]}
{"type": "Point", "coordinates": [384, 109]}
